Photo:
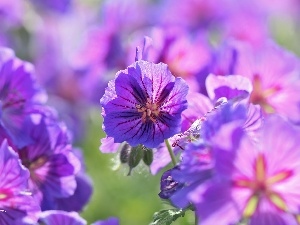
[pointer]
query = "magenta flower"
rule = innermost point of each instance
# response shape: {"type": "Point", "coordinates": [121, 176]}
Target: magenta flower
{"type": "Point", "coordinates": [15, 199]}
{"type": "Point", "coordinates": [143, 104]}
{"type": "Point", "coordinates": [254, 183]}
{"type": "Point", "coordinates": [273, 72]}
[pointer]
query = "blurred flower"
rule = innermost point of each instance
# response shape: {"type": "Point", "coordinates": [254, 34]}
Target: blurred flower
{"type": "Point", "coordinates": [10, 12]}
{"type": "Point", "coordinates": [274, 73]}
{"type": "Point", "coordinates": [242, 15]}
{"type": "Point", "coordinates": [18, 93]}
{"type": "Point", "coordinates": [108, 145]}
{"type": "Point", "coordinates": [51, 162]}
{"type": "Point", "coordinates": [192, 13]}
{"type": "Point", "coordinates": [109, 221]}
{"type": "Point", "coordinates": [16, 201]}
{"type": "Point", "coordinates": [188, 55]}
{"type": "Point", "coordinates": [234, 89]}
{"type": "Point", "coordinates": [257, 183]}
{"type": "Point", "coordinates": [221, 128]}
{"type": "Point", "coordinates": [60, 6]}
{"type": "Point", "coordinates": [57, 217]}
{"type": "Point", "coordinates": [144, 103]}
{"type": "Point", "coordinates": [168, 186]}
{"type": "Point", "coordinates": [82, 193]}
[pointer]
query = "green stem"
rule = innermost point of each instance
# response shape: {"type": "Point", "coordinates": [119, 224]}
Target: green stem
{"type": "Point", "coordinates": [196, 218]}
{"type": "Point", "coordinates": [171, 152]}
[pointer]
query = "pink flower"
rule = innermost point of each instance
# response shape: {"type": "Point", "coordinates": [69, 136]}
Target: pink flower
{"type": "Point", "coordinates": [260, 184]}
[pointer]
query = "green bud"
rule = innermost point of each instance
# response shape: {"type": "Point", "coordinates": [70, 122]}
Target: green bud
{"type": "Point", "coordinates": [125, 152]}
{"type": "Point", "coordinates": [148, 156]}
{"type": "Point", "coordinates": [135, 157]}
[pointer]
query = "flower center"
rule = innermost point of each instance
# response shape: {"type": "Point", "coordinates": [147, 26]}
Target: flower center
{"type": "Point", "coordinates": [260, 95]}
{"type": "Point", "coordinates": [261, 186]}
{"type": "Point", "coordinates": [150, 111]}
{"type": "Point", "coordinates": [5, 194]}
{"type": "Point", "coordinates": [39, 162]}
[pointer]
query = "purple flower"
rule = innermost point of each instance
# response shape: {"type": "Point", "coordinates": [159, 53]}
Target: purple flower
{"type": "Point", "coordinates": [18, 93]}
{"type": "Point", "coordinates": [108, 145]}
{"type": "Point", "coordinates": [168, 186]}
{"type": "Point", "coordinates": [60, 6]}
{"type": "Point", "coordinates": [257, 183]}
{"type": "Point", "coordinates": [10, 12]}
{"type": "Point", "coordinates": [57, 217]}
{"type": "Point", "coordinates": [15, 199]}
{"type": "Point", "coordinates": [51, 162]}
{"type": "Point", "coordinates": [230, 88]}
{"type": "Point", "coordinates": [193, 13]}
{"type": "Point", "coordinates": [244, 14]}
{"type": "Point", "coordinates": [82, 193]}
{"type": "Point", "coordinates": [221, 128]}
{"type": "Point", "coordinates": [273, 72]}
{"type": "Point", "coordinates": [81, 196]}
{"type": "Point", "coordinates": [109, 221]}
{"type": "Point", "coordinates": [143, 104]}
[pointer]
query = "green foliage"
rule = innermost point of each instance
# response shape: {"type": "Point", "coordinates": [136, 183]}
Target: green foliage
{"type": "Point", "coordinates": [167, 216]}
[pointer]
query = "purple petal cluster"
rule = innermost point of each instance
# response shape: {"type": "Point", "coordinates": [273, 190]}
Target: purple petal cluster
{"type": "Point", "coordinates": [143, 104]}
{"type": "Point", "coordinates": [18, 92]}
{"type": "Point", "coordinates": [253, 182]}
{"type": "Point", "coordinates": [39, 167]}
{"type": "Point", "coordinates": [15, 199]}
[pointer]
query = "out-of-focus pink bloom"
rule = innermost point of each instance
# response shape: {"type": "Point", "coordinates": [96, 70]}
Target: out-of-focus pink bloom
{"type": "Point", "coordinates": [244, 22]}
{"type": "Point", "coordinates": [273, 71]}
{"type": "Point", "coordinates": [10, 12]}
{"type": "Point", "coordinates": [192, 13]}
{"type": "Point", "coordinates": [259, 183]}
{"type": "Point", "coordinates": [234, 88]}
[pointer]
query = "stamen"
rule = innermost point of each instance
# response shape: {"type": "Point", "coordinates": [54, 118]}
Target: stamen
{"type": "Point", "coordinates": [150, 111]}
{"type": "Point", "coordinates": [251, 206]}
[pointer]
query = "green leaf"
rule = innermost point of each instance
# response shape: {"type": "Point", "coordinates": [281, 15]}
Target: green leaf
{"type": "Point", "coordinates": [167, 216]}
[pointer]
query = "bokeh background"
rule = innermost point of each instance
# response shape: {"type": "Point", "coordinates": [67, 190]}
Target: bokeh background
{"type": "Point", "coordinates": [77, 46]}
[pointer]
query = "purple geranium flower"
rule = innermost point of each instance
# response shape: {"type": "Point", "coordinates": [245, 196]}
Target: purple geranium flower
{"type": "Point", "coordinates": [57, 217]}
{"type": "Point", "coordinates": [230, 88]}
{"type": "Point", "coordinates": [18, 92]}
{"type": "Point", "coordinates": [51, 162]}
{"type": "Point", "coordinates": [82, 193]}
{"type": "Point", "coordinates": [222, 128]}
{"type": "Point", "coordinates": [257, 183]}
{"type": "Point", "coordinates": [168, 186]}
{"type": "Point", "coordinates": [15, 200]}
{"type": "Point", "coordinates": [10, 12]}
{"type": "Point", "coordinates": [143, 104]}
{"type": "Point", "coordinates": [273, 71]}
